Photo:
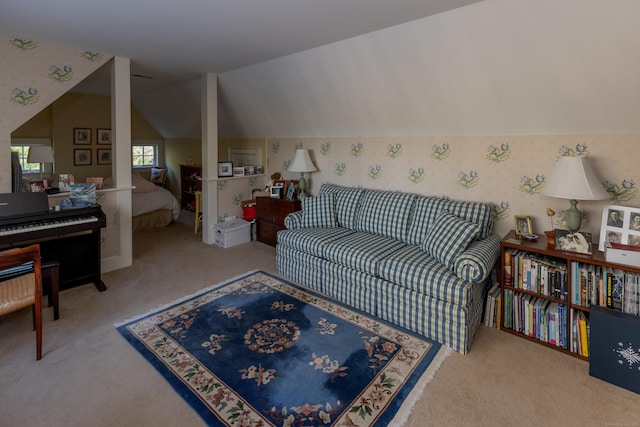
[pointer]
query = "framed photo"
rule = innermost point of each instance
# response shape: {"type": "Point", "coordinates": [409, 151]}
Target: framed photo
{"type": "Point", "coordinates": [282, 184]}
{"type": "Point", "coordinates": [104, 136]}
{"type": "Point", "coordinates": [96, 180]}
{"type": "Point", "coordinates": [620, 224]}
{"type": "Point", "coordinates": [104, 156]}
{"type": "Point", "coordinates": [259, 170]}
{"type": "Point", "coordinates": [275, 192]}
{"type": "Point", "coordinates": [291, 191]}
{"type": "Point", "coordinates": [64, 181]}
{"type": "Point", "coordinates": [523, 225]}
{"type": "Point", "coordinates": [238, 171]}
{"type": "Point", "coordinates": [579, 241]}
{"type": "Point", "coordinates": [38, 186]}
{"type": "Point", "coordinates": [81, 156]}
{"type": "Point", "coordinates": [225, 169]}
{"type": "Point", "coordinates": [248, 170]}
{"type": "Point", "coordinates": [82, 136]}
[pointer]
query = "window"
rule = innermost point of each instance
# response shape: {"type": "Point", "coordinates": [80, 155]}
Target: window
{"type": "Point", "coordinates": [144, 155]}
{"type": "Point", "coordinates": [22, 146]}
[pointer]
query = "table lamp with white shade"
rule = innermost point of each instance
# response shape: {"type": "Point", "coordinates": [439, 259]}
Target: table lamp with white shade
{"type": "Point", "coordinates": [573, 178]}
{"type": "Point", "coordinates": [302, 163]}
{"type": "Point", "coordinates": [40, 154]}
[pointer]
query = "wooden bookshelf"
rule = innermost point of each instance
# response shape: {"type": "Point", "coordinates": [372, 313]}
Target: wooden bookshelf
{"type": "Point", "coordinates": [190, 182]}
{"type": "Point", "coordinates": [518, 293]}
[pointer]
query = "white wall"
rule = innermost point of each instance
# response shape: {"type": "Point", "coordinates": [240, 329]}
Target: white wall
{"type": "Point", "coordinates": [497, 67]}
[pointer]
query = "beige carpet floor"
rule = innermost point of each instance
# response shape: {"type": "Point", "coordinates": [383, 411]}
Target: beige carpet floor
{"type": "Point", "coordinates": [89, 375]}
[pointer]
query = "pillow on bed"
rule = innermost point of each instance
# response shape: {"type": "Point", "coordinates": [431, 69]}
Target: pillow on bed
{"type": "Point", "coordinates": [142, 185]}
{"type": "Point", "coordinates": [158, 176]}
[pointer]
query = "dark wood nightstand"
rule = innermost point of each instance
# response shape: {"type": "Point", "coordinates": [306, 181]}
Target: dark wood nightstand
{"type": "Point", "coordinates": [270, 215]}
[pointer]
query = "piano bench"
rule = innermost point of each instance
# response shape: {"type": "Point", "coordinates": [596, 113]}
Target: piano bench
{"type": "Point", "coordinates": [50, 280]}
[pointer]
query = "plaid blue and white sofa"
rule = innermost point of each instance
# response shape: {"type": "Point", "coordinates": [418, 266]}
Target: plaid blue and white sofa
{"type": "Point", "coordinates": [419, 262]}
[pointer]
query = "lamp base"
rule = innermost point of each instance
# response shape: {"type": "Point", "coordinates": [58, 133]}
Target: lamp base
{"type": "Point", "coordinates": [302, 183]}
{"type": "Point", "coordinates": [573, 217]}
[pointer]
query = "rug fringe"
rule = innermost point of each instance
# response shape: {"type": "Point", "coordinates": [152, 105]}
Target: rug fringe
{"type": "Point", "coordinates": [416, 394]}
{"type": "Point", "coordinates": [182, 299]}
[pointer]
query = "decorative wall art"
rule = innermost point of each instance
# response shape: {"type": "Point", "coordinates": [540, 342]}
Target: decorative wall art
{"type": "Point", "coordinates": [82, 136]}
{"type": "Point", "coordinates": [104, 136]}
{"type": "Point", "coordinates": [104, 156]}
{"type": "Point", "coordinates": [82, 157]}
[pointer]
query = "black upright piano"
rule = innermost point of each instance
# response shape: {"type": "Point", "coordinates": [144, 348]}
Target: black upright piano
{"type": "Point", "coordinates": [69, 236]}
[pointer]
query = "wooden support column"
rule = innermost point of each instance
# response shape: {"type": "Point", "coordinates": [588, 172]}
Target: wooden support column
{"type": "Point", "coordinates": [209, 156]}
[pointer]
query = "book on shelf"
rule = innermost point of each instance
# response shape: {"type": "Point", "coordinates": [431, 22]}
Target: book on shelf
{"type": "Point", "coordinates": [492, 308]}
{"type": "Point", "coordinates": [617, 288]}
{"type": "Point", "coordinates": [535, 273]}
{"type": "Point", "coordinates": [539, 318]}
{"type": "Point", "coordinates": [583, 334]}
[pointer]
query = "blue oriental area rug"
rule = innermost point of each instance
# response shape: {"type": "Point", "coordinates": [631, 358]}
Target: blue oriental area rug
{"type": "Point", "coordinates": [260, 351]}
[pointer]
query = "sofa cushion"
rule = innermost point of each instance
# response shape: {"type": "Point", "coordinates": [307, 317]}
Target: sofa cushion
{"type": "Point", "coordinates": [414, 269]}
{"type": "Point", "coordinates": [448, 237]}
{"type": "Point", "coordinates": [385, 213]}
{"type": "Point", "coordinates": [477, 212]}
{"type": "Point", "coordinates": [319, 211]}
{"type": "Point", "coordinates": [425, 212]}
{"type": "Point", "coordinates": [347, 203]}
{"type": "Point", "coordinates": [311, 240]}
{"type": "Point", "coordinates": [428, 208]}
{"type": "Point", "coordinates": [361, 251]}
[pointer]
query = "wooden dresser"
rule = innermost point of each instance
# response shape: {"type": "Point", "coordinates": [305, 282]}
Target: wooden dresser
{"type": "Point", "coordinates": [270, 215]}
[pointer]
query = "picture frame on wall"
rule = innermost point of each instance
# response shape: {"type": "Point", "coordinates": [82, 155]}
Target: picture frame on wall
{"type": "Point", "coordinates": [103, 136]}
{"type": "Point", "coordinates": [104, 156]}
{"type": "Point", "coordinates": [82, 136]}
{"type": "Point", "coordinates": [620, 224]}
{"type": "Point", "coordinates": [82, 156]}
{"type": "Point", "coordinates": [225, 169]}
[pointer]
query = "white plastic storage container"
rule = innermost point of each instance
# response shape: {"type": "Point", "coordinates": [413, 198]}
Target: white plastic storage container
{"type": "Point", "coordinates": [233, 233]}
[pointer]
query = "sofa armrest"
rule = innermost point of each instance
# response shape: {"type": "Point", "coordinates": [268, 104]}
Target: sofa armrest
{"type": "Point", "coordinates": [293, 221]}
{"type": "Point", "coordinates": [476, 262]}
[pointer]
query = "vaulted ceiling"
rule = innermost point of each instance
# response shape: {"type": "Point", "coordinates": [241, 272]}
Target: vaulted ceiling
{"type": "Point", "coordinates": [171, 44]}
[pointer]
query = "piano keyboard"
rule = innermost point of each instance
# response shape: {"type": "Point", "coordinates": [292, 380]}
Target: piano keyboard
{"type": "Point", "coordinates": [44, 225]}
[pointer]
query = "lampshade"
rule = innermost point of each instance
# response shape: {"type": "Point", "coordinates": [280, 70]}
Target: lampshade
{"type": "Point", "coordinates": [302, 162]}
{"type": "Point", "coordinates": [573, 178]}
{"type": "Point", "coordinates": [40, 154]}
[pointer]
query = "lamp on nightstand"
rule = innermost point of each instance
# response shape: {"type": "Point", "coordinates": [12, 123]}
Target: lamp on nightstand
{"type": "Point", "coordinates": [40, 154]}
{"type": "Point", "coordinates": [302, 163]}
{"type": "Point", "coordinates": [573, 178]}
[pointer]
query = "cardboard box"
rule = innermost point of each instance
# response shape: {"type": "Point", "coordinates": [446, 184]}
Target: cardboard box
{"type": "Point", "coordinates": [233, 233]}
{"type": "Point", "coordinates": [622, 255]}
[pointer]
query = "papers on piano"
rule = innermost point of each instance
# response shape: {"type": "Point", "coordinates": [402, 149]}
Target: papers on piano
{"type": "Point", "coordinates": [82, 195]}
